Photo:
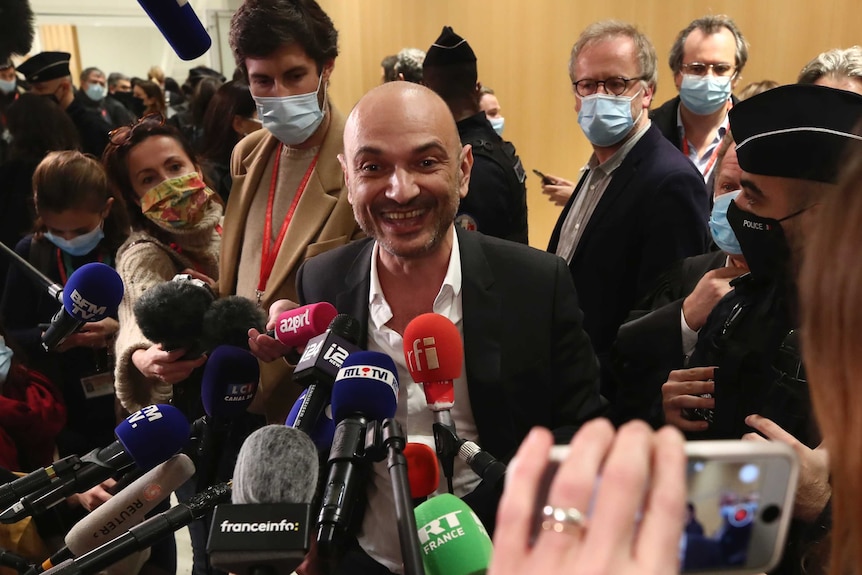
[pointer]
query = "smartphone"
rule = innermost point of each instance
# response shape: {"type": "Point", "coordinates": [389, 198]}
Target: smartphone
{"type": "Point", "coordinates": [545, 179]}
{"type": "Point", "coordinates": [740, 503]}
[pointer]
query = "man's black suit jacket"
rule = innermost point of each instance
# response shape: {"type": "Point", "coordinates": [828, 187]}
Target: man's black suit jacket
{"type": "Point", "coordinates": [528, 360]}
{"type": "Point", "coordinates": [649, 343]}
{"type": "Point", "coordinates": [653, 213]}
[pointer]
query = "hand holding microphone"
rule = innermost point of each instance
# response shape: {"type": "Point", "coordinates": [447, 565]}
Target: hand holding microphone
{"type": "Point", "coordinates": [289, 328]}
{"type": "Point", "coordinates": [167, 366]}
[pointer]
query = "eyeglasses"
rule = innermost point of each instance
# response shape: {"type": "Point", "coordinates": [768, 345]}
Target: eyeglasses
{"type": "Point", "coordinates": [120, 136]}
{"type": "Point", "coordinates": [700, 69]}
{"type": "Point", "coordinates": [616, 85]}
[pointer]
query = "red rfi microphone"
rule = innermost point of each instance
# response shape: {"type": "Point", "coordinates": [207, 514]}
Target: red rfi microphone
{"type": "Point", "coordinates": [295, 327]}
{"type": "Point", "coordinates": [435, 356]}
{"type": "Point", "coordinates": [423, 471]}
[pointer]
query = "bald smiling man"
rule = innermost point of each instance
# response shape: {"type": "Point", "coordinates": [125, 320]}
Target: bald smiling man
{"type": "Point", "coordinates": [528, 361]}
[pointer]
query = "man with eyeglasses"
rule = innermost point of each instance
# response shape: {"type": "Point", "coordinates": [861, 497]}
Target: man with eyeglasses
{"type": "Point", "coordinates": [640, 205]}
{"type": "Point", "coordinates": [706, 59]}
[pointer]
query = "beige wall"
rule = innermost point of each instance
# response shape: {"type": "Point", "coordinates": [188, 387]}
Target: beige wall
{"type": "Point", "coordinates": [523, 48]}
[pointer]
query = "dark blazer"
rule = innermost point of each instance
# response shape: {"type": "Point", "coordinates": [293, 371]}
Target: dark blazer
{"type": "Point", "coordinates": [653, 213]}
{"type": "Point", "coordinates": [649, 343]}
{"type": "Point", "coordinates": [528, 360]}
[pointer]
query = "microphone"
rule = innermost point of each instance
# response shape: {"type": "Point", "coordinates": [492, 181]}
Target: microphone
{"type": "Point", "coordinates": [295, 327]}
{"type": "Point", "coordinates": [452, 539]}
{"type": "Point", "coordinates": [483, 464]}
{"type": "Point", "coordinates": [228, 320]}
{"type": "Point", "coordinates": [435, 356]}
{"type": "Point", "coordinates": [319, 365]}
{"type": "Point", "coordinates": [365, 389]}
{"type": "Point", "coordinates": [145, 438]}
{"type": "Point", "coordinates": [172, 314]}
{"type": "Point", "coordinates": [36, 480]}
{"type": "Point", "coordinates": [143, 535]}
{"type": "Point", "coordinates": [267, 528]}
{"type": "Point", "coordinates": [92, 293]}
{"type": "Point", "coordinates": [423, 471]}
{"type": "Point", "coordinates": [55, 290]}
{"type": "Point", "coordinates": [16, 28]}
{"type": "Point", "coordinates": [324, 428]}
{"type": "Point", "coordinates": [228, 386]}
{"type": "Point", "coordinates": [180, 26]}
{"type": "Point", "coordinates": [124, 510]}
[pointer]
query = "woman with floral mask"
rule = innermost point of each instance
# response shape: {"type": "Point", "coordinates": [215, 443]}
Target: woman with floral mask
{"type": "Point", "coordinates": [175, 228]}
{"type": "Point", "coordinates": [79, 222]}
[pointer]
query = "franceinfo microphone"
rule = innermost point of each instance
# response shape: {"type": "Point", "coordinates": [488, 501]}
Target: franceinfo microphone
{"type": "Point", "coordinates": [435, 356]}
{"type": "Point", "coordinates": [180, 26]}
{"type": "Point", "coordinates": [365, 390]}
{"type": "Point", "coordinates": [228, 386]}
{"type": "Point", "coordinates": [92, 293]}
{"type": "Point", "coordinates": [145, 534]}
{"type": "Point", "coordinates": [452, 539]}
{"type": "Point", "coordinates": [124, 510]}
{"type": "Point", "coordinates": [267, 529]}
{"type": "Point", "coordinates": [319, 365]}
{"type": "Point", "coordinates": [145, 438]}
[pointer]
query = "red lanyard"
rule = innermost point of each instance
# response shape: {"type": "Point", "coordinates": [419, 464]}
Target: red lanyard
{"type": "Point", "coordinates": [61, 266]}
{"type": "Point", "coordinates": [685, 148]}
{"type": "Point", "coordinates": [270, 249]}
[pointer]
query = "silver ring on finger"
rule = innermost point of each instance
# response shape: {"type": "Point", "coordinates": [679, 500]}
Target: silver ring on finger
{"type": "Point", "coordinates": [563, 520]}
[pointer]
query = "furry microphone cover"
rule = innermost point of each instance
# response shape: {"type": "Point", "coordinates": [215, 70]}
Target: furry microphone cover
{"type": "Point", "coordinates": [16, 28]}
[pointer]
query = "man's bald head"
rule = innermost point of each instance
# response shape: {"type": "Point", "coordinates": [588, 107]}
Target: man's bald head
{"type": "Point", "coordinates": [397, 105]}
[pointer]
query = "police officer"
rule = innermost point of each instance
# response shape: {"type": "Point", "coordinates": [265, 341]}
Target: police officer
{"type": "Point", "coordinates": [49, 76]}
{"type": "Point", "coordinates": [496, 201]}
{"type": "Point", "coordinates": [789, 144]}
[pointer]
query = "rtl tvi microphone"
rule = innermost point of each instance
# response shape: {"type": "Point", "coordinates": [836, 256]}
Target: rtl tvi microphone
{"type": "Point", "coordinates": [92, 293]}
{"type": "Point", "coordinates": [365, 390]}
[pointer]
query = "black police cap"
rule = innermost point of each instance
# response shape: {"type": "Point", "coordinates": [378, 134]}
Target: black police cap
{"type": "Point", "coordinates": [45, 66]}
{"type": "Point", "coordinates": [448, 49]}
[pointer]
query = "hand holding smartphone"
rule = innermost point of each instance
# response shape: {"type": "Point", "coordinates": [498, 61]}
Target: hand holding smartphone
{"type": "Point", "coordinates": [545, 179]}
{"type": "Point", "coordinates": [739, 504]}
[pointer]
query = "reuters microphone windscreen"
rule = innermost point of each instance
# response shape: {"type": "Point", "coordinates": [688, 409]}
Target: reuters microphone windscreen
{"type": "Point", "coordinates": [435, 357]}
{"type": "Point", "coordinates": [366, 384]}
{"type": "Point", "coordinates": [295, 327]}
{"type": "Point", "coordinates": [453, 540]}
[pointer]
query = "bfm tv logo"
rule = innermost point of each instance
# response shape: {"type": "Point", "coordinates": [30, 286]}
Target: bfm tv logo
{"type": "Point", "coordinates": [82, 309]}
{"type": "Point", "coordinates": [424, 346]}
{"type": "Point", "coordinates": [335, 354]}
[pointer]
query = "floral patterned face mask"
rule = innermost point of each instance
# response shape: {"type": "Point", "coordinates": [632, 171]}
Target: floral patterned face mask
{"type": "Point", "coordinates": [177, 203]}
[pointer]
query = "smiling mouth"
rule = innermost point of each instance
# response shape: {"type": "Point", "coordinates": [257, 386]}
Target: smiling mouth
{"type": "Point", "coordinates": [403, 215]}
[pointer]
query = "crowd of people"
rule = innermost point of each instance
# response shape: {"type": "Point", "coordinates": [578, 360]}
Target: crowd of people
{"type": "Point", "coordinates": [700, 282]}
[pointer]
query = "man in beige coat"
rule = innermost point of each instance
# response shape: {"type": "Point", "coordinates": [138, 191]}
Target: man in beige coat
{"type": "Point", "coordinates": [288, 201]}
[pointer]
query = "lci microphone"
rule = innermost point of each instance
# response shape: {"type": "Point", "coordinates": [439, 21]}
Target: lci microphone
{"type": "Point", "coordinates": [452, 539]}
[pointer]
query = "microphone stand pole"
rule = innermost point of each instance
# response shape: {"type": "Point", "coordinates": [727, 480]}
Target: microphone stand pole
{"type": "Point", "coordinates": [54, 290]}
{"type": "Point", "coordinates": [394, 441]}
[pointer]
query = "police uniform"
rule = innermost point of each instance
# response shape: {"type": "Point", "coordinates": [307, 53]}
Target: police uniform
{"type": "Point", "coordinates": [796, 132]}
{"type": "Point", "coordinates": [496, 201]}
{"type": "Point", "coordinates": [92, 128]}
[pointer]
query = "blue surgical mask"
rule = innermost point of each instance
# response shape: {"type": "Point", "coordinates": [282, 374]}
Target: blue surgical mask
{"type": "Point", "coordinates": [5, 360]}
{"type": "Point", "coordinates": [7, 86]}
{"type": "Point", "coordinates": [719, 227]}
{"type": "Point", "coordinates": [704, 94]}
{"type": "Point", "coordinates": [606, 119]}
{"type": "Point", "coordinates": [95, 92]}
{"type": "Point", "coordinates": [79, 245]}
{"type": "Point", "coordinates": [497, 124]}
{"type": "Point", "coordinates": [291, 119]}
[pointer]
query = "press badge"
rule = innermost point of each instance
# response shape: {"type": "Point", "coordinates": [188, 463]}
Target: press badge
{"type": "Point", "coordinates": [98, 385]}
